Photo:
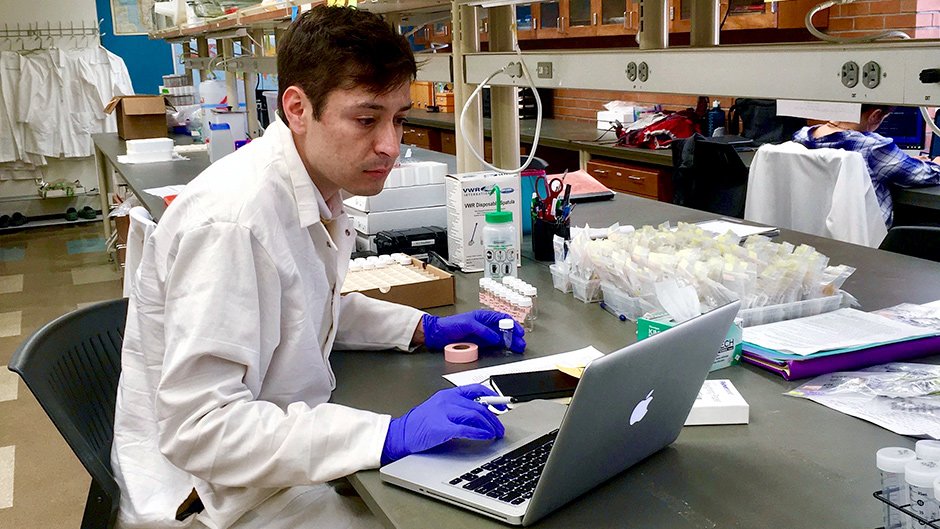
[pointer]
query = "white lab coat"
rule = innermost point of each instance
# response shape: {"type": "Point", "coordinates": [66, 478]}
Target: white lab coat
{"type": "Point", "coordinates": [825, 192]}
{"type": "Point", "coordinates": [226, 372]}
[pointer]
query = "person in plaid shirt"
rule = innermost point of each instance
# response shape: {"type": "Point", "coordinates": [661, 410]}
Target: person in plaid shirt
{"type": "Point", "coordinates": [887, 164]}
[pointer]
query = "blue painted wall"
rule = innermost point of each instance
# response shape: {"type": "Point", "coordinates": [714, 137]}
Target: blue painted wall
{"type": "Point", "coordinates": [147, 60]}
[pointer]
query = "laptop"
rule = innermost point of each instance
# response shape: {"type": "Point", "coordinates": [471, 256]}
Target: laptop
{"type": "Point", "coordinates": [628, 405]}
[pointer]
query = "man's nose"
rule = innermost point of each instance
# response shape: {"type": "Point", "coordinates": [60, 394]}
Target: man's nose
{"type": "Point", "coordinates": [388, 141]}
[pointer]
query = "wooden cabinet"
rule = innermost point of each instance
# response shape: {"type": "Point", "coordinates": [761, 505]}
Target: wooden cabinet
{"type": "Point", "coordinates": [422, 137]}
{"type": "Point", "coordinates": [749, 14]}
{"type": "Point", "coordinates": [633, 179]}
{"type": "Point", "coordinates": [586, 18]}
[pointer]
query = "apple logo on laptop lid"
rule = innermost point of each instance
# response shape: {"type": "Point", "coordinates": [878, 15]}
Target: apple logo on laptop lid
{"type": "Point", "coordinates": [641, 408]}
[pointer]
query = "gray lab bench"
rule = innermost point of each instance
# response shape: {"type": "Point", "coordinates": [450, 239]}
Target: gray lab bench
{"type": "Point", "coordinates": [582, 136]}
{"type": "Point", "coordinates": [797, 465]}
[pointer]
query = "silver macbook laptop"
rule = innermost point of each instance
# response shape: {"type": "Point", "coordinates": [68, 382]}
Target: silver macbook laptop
{"type": "Point", "coordinates": [628, 405]}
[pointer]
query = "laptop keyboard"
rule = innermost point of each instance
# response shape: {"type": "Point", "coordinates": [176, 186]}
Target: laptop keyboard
{"type": "Point", "coordinates": [511, 477]}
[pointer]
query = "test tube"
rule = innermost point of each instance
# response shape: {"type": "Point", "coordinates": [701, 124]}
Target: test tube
{"type": "Point", "coordinates": [927, 450]}
{"type": "Point", "coordinates": [920, 477]}
{"type": "Point", "coordinates": [890, 462]}
{"type": "Point", "coordinates": [506, 325]}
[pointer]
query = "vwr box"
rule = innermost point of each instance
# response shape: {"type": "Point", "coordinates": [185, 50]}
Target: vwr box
{"type": "Point", "coordinates": [468, 201]}
{"type": "Point", "coordinates": [729, 353]}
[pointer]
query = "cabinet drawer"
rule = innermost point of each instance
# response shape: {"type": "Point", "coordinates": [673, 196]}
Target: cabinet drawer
{"type": "Point", "coordinates": [633, 180]}
{"type": "Point", "coordinates": [449, 143]}
{"type": "Point", "coordinates": [416, 136]}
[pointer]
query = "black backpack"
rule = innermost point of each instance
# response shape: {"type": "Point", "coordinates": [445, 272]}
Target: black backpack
{"type": "Point", "coordinates": [757, 119]}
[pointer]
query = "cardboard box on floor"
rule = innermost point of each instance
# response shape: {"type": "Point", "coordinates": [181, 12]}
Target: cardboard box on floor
{"type": "Point", "coordinates": [139, 117]}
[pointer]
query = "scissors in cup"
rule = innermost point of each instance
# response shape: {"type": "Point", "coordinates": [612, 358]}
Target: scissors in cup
{"type": "Point", "coordinates": [549, 192]}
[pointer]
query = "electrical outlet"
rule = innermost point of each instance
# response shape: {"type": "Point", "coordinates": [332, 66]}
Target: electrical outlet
{"type": "Point", "coordinates": [643, 72]}
{"type": "Point", "coordinates": [849, 74]}
{"type": "Point", "coordinates": [871, 74]}
{"type": "Point", "coordinates": [543, 70]}
{"type": "Point", "coordinates": [631, 71]}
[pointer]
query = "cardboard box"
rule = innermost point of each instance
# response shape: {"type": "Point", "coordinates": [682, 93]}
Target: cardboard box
{"type": "Point", "coordinates": [729, 353]}
{"type": "Point", "coordinates": [139, 117]}
{"type": "Point", "coordinates": [397, 198]}
{"type": "Point", "coordinates": [424, 295]}
{"type": "Point", "coordinates": [468, 201]}
{"type": "Point", "coordinates": [372, 222]}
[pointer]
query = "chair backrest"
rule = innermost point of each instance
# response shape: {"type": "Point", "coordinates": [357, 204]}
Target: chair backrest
{"type": "Point", "coordinates": [916, 241]}
{"type": "Point", "coordinates": [72, 365]}
{"type": "Point", "coordinates": [709, 176]}
{"type": "Point", "coordinates": [825, 192]}
{"type": "Point", "coordinates": [141, 226]}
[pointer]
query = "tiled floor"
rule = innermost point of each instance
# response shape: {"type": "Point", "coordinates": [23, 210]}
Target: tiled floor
{"type": "Point", "coordinates": [44, 273]}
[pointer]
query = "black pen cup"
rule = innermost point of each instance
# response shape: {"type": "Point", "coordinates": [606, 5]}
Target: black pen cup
{"type": "Point", "coordinates": [543, 232]}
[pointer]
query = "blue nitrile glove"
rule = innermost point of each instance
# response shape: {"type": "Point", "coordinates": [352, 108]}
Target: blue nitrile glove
{"type": "Point", "coordinates": [479, 326]}
{"type": "Point", "coordinates": [448, 414]}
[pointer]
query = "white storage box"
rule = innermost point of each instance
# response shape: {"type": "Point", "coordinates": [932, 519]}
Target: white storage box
{"type": "Point", "coordinates": [560, 279]}
{"type": "Point", "coordinates": [797, 309]}
{"type": "Point", "coordinates": [370, 223]}
{"type": "Point", "coordinates": [624, 304]}
{"type": "Point", "coordinates": [416, 174]}
{"type": "Point", "coordinates": [605, 118]}
{"type": "Point", "coordinates": [158, 145]}
{"type": "Point", "coordinates": [396, 198]}
{"type": "Point", "coordinates": [586, 290]}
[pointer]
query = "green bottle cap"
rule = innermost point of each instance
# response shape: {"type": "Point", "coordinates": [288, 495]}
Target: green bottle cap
{"type": "Point", "coordinates": [499, 216]}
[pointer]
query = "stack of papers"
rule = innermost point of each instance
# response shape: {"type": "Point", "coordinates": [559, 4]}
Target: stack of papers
{"type": "Point", "coordinates": [838, 340]}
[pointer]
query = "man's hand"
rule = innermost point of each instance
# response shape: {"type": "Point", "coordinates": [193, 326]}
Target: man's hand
{"type": "Point", "coordinates": [480, 327]}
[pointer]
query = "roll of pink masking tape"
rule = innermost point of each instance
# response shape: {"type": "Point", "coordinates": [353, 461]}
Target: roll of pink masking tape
{"type": "Point", "coordinates": [461, 353]}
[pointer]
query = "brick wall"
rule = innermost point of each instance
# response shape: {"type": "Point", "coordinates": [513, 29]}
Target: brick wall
{"type": "Point", "coordinates": [918, 18]}
{"type": "Point", "coordinates": [582, 105]}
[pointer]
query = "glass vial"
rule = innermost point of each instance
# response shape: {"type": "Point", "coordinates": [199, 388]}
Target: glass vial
{"type": "Point", "coordinates": [506, 325]}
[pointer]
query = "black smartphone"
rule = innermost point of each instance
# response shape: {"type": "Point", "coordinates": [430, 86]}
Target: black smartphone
{"type": "Point", "coordinates": [552, 384]}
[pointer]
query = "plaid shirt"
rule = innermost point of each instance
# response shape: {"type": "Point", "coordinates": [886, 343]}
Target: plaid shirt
{"type": "Point", "coordinates": [887, 164]}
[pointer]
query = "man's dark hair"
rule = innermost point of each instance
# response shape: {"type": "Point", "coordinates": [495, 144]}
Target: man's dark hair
{"type": "Point", "coordinates": [330, 48]}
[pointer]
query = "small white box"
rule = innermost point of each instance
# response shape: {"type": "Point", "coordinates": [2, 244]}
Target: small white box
{"type": "Point", "coordinates": [416, 174]}
{"type": "Point", "coordinates": [718, 402]}
{"type": "Point", "coordinates": [605, 118]}
{"type": "Point", "coordinates": [468, 201]}
{"type": "Point", "coordinates": [149, 145]}
{"type": "Point", "coordinates": [396, 198]}
{"type": "Point", "coordinates": [365, 243]}
{"type": "Point", "coordinates": [370, 223]}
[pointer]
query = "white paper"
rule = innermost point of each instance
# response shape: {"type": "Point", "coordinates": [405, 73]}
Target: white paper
{"type": "Point", "coordinates": [895, 396]}
{"type": "Point", "coordinates": [165, 191]}
{"type": "Point", "coordinates": [721, 226]}
{"type": "Point", "coordinates": [832, 330]}
{"type": "Point", "coordinates": [932, 304]}
{"type": "Point", "coordinates": [821, 110]}
{"type": "Point", "coordinates": [579, 357]}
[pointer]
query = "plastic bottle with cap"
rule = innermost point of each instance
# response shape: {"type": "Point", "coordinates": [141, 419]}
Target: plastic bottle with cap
{"type": "Point", "coordinates": [532, 293]}
{"type": "Point", "coordinates": [506, 326]}
{"type": "Point", "coordinates": [499, 241]}
{"type": "Point", "coordinates": [890, 462]}
{"type": "Point", "coordinates": [928, 450]}
{"type": "Point", "coordinates": [920, 477]}
{"type": "Point", "coordinates": [525, 303]}
{"type": "Point", "coordinates": [221, 141]}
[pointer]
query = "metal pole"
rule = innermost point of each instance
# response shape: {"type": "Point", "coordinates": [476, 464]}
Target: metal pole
{"type": "Point", "coordinates": [504, 100]}
{"type": "Point", "coordinates": [250, 82]}
{"type": "Point", "coordinates": [231, 77]}
{"type": "Point", "coordinates": [654, 24]}
{"type": "Point", "coordinates": [202, 50]}
{"type": "Point", "coordinates": [706, 20]}
{"type": "Point", "coordinates": [466, 40]}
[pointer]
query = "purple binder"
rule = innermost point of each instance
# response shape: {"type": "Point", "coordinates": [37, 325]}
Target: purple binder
{"type": "Point", "coordinates": [810, 367]}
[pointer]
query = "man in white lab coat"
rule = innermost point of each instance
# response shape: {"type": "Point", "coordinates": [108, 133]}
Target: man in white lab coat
{"type": "Point", "coordinates": [223, 418]}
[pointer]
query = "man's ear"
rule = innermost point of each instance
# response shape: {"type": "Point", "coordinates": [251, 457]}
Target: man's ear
{"type": "Point", "coordinates": [295, 106]}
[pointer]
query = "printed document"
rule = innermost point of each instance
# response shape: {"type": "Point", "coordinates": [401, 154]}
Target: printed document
{"type": "Point", "coordinates": [838, 329]}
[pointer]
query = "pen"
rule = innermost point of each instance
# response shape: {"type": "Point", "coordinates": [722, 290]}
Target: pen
{"type": "Point", "coordinates": [611, 310]}
{"type": "Point", "coordinates": [487, 401]}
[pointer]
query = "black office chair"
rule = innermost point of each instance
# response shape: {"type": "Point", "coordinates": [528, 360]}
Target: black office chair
{"type": "Point", "coordinates": [72, 365]}
{"type": "Point", "coordinates": [916, 241]}
{"type": "Point", "coordinates": [709, 176]}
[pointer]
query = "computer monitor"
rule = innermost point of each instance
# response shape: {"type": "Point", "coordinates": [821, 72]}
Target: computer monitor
{"type": "Point", "coordinates": [906, 127]}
